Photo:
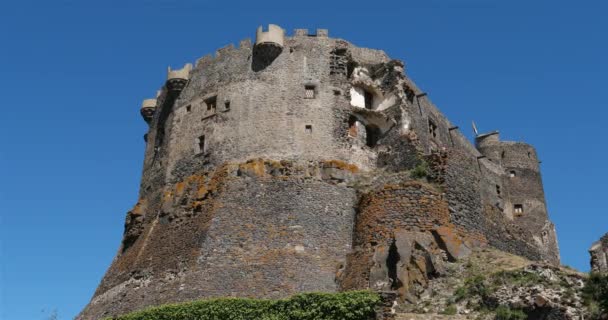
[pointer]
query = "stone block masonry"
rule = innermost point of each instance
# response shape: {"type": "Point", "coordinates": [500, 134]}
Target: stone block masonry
{"type": "Point", "coordinates": [599, 255]}
{"type": "Point", "coordinates": [305, 163]}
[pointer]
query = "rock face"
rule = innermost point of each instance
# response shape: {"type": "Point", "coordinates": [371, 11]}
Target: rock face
{"type": "Point", "coordinates": [304, 163]}
{"type": "Point", "coordinates": [491, 282]}
{"type": "Point", "coordinates": [599, 255]}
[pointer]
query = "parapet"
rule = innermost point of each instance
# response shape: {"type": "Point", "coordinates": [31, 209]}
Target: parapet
{"type": "Point", "coordinates": [177, 79]}
{"type": "Point", "coordinates": [275, 35]}
{"type": "Point", "coordinates": [485, 139]}
{"type": "Point", "coordinates": [183, 73]}
{"type": "Point", "coordinates": [148, 107]}
{"type": "Point", "coordinates": [321, 33]}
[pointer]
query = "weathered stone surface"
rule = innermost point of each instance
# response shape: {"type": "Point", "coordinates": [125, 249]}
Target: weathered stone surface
{"type": "Point", "coordinates": [599, 255]}
{"type": "Point", "coordinates": [305, 163]}
{"type": "Point", "coordinates": [476, 286]}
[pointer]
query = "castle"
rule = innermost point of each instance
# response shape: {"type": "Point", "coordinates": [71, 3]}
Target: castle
{"type": "Point", "coordinates": [304, 163]}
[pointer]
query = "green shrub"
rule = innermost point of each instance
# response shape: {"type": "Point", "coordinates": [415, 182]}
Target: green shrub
{"type": "Point", "coordinates": [460, 294]}
{"type": "Point", "coordinates": [473, 287]}
{"type": "Point", "coordinates": [506, 313]}
{"type": "Point", "coordinates": [596, 291]}
{"type": "Point", "coordinates": [517, 278]}
{"type": "Point", "coordinates": [450, 310]}
{"type": "Point", "coordinates": [355, 305]}
{"type": "Point", "coordinates": [421, 170]}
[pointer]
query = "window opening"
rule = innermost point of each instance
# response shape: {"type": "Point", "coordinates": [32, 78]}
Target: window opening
{"type": "Point", "coordinates": [432, 129]}
{"type": "Point", "coordinates": [201, 144]}
{"type": "Point", "coordinates": [211, 103]}
{"type": "Point", "coordinates": [369, 99]}
{"type": "Point", "coordinates": [310, 92]}
{"type": "Point", "coordinates": [518, 209]}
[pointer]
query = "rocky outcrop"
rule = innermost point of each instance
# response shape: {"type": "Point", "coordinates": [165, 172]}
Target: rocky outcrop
{"type": "Point", "coordinates": [403, 238]}
{"type": "Point", "coordinates": [599, 255]}
{"type": "Point", "coordinates": [492, 284]}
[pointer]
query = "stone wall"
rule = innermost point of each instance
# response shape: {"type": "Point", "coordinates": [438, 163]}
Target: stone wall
{"type": "Point", "coordinates": [256, 229]}
{"type": "Point", "coordinates": [599, 255]}
{"type": "Point", "coordinates": [402, 237]}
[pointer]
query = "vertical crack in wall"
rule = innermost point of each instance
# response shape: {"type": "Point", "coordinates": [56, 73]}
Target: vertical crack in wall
{"type": "Point", "coordinates": [391, 264]}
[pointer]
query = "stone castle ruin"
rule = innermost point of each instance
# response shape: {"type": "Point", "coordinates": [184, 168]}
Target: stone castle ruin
{"type": "Point", "coordinates": [599, 255]}
{"type": "Point", "coordinates": [304, 163]}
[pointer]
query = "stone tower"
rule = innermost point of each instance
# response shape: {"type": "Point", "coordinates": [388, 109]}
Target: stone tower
{"type": "Point", "coordinates": [304, 163]}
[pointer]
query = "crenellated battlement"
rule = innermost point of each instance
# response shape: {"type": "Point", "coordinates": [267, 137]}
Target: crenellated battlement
{"type": "Point", "coordinates": [183, 73]}
{"type": "Point", "coordinates": [274, 35]}
{"type": "Point", "coordinates": [147, 109]}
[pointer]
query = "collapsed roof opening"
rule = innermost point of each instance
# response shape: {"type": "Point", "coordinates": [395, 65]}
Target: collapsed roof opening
{"type": "Point", "coordinates": [363, 98]}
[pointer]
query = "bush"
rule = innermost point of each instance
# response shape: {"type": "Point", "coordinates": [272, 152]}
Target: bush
{"type": "Point", "coordinates": [518, 278]}
{"type": "Point", "coordinates": [421, 170]}
{"type": "Point", "coordinates": [506, 313]}
{"type": "Point", "coordinates": [473, 287]}
{"type": "Point", "coordinates": [596, 291]}
{"type": "Point", "coordinates": [355, 305]}
{"type": "Point", "coordinates": [450, 310]}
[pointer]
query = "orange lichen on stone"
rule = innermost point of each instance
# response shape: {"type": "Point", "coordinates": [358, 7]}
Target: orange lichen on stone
{"type": "Point", "coordinates": [255, 166]}
{"type": "Point", "coordinates": [139, 207]}
{"type": "Point", "coordinates": [339, 164]}
{"type": "Point", "coordinates": [179, 188]}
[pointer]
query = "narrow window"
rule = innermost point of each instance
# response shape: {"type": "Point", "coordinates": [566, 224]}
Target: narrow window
{"type": "Point", "coordinates": [352, 127]}
{"type": "Point", "coordinates": [432, 129]}
{"type": "Point", "coordinates": [518, 209]}
{"type": "Point", "coordinates": [502, 155]}
{"type": "Point", "coordinates": [188, 108]}
{"type": "Point", "coordinates": [512, 174]}
{"type": "Point", "coordinates": [529, 155]}
{"type": "Point", "coordinates": [372, 134]}
{"type": "Point", "coordinates": [310, 92]}
{"type": "Point", "coordinates": [545, 236]}
{"type": "Point", "coordinates": [308, 128]}
{"type": "Point", "coordinates": [227, 105]}
{"type": "Point", "coordinates": [201, 144]}
{"type": "Point", "coordinates": [211, 103]}
{"type": "Point", "coordinates": [497, 189]}
{"type": "Point", "coordinates": [369, 99]}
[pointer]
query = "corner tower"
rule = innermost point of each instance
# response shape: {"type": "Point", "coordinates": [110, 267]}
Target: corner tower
{"type": "Point", "coordinates": [268, 46]}
{"type": "Point", "coordinates": [523, 188]}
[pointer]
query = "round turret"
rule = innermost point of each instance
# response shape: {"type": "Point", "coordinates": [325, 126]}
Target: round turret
{"type": "Point", "coordinates": [489, 145]}
{"type": "Point", "coordinates": [268, 46]}
{"type": "Point", "coordinates": [177, 79]}
{"type": "Point", "coordinates": [148, 107]}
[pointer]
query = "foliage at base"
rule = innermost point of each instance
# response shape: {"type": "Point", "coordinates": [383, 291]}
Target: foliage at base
{"type": "Point", "coordinates": [595, 292]}
{"type": "Point", "coordinates": [355, 305]}
{"type": "Point", "coordinates": [505, 313]}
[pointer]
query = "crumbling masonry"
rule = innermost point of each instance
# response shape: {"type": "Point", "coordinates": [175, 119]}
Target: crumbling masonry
{"type": "Point", "coordinates": [599, 255]}
{"type": "Point", "coordinates": [305, 163]}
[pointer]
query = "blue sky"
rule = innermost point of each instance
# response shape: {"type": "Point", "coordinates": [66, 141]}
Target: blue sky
{"type": "Point", "coordinates": [74, 74]}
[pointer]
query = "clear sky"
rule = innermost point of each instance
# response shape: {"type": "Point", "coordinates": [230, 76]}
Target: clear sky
{"type": "Point", "coordinates": [73, 75]}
